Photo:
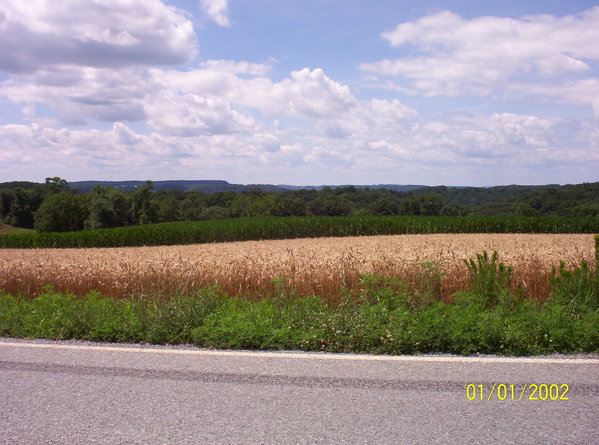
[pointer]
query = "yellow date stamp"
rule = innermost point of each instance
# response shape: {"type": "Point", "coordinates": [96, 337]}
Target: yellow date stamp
{"type": "Point", "coordinates": [524, 391]}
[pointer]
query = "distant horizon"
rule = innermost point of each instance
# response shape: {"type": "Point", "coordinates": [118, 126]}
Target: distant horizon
{"type": "Point", "coordinates": [307, 185]}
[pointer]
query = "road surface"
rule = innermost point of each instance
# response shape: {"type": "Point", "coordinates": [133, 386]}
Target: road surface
{"type": "Point", "coordinates": [92, 393]}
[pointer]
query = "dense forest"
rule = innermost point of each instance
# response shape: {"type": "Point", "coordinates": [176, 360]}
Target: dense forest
{"type": "Point", "coordinates": [54, 206]}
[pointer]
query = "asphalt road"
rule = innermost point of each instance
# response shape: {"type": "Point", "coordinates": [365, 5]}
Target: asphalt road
{"type": "Point", "coordinates": [90, 393]}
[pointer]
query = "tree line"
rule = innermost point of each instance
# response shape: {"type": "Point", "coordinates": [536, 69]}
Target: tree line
{"type": "Point", "coordinates": [54, 207]}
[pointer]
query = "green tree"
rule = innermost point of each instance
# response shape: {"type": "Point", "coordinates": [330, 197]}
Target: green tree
{"type": "Point", "coordinates": [428, 204]}
{"type": "Point", "coordinates": [56, 184]}
{"type": "Point", "coordinates": [61, 212]}
{"type": "Point", "coordinates": [108, 207]}
{"type": "Point", "coordinates": [386, 206]}
{"type": "Point", "coordinates": [221, 199]}
{"type": "Point", "coordinates": [585, 210]}
{"type": "Point", "coordinates": [288, 206]}
{"type": "Point", "coordinates": [524, 209]}
{"type": "Point", "coordinates": [20, 214]}
{"type": "Point", "coordinates": [144, 210]}
{"type": "Point", "coordinates": [191, 206]}
{"type": "Point", "coordinates": [454, 210]}
{"type": "Point", "coordinates": [330, 205]}
{"type": "Point", "coordinates": [7, 197]}
{"type": "Point", "coordinates": [214, 212]}
{"type": "Point", "coordinates": [168, 210]}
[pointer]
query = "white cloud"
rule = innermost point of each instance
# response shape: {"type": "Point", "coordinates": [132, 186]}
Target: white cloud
{"type": "Point", "coordinates": [223, 91]}
{"type": "Point", "coordinates": [495, 136]}
{"type": "Point", "coordinates": [36, 150]}
{"type": "Point", "coordinates": [575, 92]}
{"type": "Point", "coordinates": [236, 67]}
{"type": "Point", "coordinates": [457, 55]}
{"type": "Point", "coordinates": [197, 138]}
{"type": "Point", "coordinates": [217, 10]}
{"type": "Point", "coordinates": [77, 94]}
{"type": "Point", "coordinates": [228, 113]}
{"type": "Point", "coordinates": [305, 93]}
{"type": "Point", "coordinates": [95, 33]}
{"type": "Point", "coordinates": [193, 115]}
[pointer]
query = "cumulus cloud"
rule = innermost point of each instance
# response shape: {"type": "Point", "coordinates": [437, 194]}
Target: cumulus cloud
{"type": "Point", "coordinates": [306, 95]}
{"type": "Point", "coordinates": [120, 152]}
{"type": "Point", "coordinates": [236, 67]}
{"type": "Point", "coordinates": [217, 11]}
{"type": "Point", "coordinates": [90, 60]}
{"type": "Point", "coordinates": [193, 140]}
{"type": "Point", "coordinates": [458, 55]}
{"type": "Point", "coordinates": [77, 94]}
{"type": "Point", "coordinates": [574, 92]}
{"type": "Point", "coordinates": [229, 115]}
{"type": "Point", "coordinates": [193, 115]}
{"type": "Point", "coordinates": [499, 135]}
{"type": "Point", "coordinates": [95, 33]}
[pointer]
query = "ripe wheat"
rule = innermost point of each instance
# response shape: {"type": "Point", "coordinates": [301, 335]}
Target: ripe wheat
{"type": "Point", "coordinates": [321, 266]}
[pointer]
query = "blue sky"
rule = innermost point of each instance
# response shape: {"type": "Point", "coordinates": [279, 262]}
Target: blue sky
{"type": "Point", "coordinates": [300, 91]}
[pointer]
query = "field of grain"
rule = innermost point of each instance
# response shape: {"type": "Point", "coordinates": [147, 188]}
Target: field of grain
{"type": "Point", "coordinates": [321, 266]}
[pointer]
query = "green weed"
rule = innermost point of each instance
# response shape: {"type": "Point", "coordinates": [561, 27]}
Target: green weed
{"type": "Point", "coordinates": [490, 278]}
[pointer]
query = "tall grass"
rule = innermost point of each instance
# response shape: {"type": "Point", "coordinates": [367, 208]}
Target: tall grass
{"type": "Point", "coordinates": [262, 228]}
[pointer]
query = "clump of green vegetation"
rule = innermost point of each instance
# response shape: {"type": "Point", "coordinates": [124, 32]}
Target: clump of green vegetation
{"type": "Point", "coordinates": [575, 289]}
{"type": "Point", "coordinates": [490, 279]}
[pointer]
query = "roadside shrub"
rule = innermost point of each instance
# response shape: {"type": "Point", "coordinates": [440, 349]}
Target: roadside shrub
{"type": "Point", "coordinates": [12, 313]}
{"type": "Point", "coordinates": [50, 315]}
{"type": "Point", "coordinates": [108, 319]}
{"type": "Point", "coordinates": [490, 279]}
{"type": "Point", "coordinates": [174, 319]}
{"type": "Point", "coordinates": [575, 289]}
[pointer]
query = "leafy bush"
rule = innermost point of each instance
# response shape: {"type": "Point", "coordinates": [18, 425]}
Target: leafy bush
{"type": "Point", "coordinates": [575, 289]}
{"type": "Point", "coordinates": [490, 279]}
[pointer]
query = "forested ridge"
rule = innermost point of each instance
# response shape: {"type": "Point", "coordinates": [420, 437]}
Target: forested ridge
{"type": "Point", "coordinates": [56, 206]}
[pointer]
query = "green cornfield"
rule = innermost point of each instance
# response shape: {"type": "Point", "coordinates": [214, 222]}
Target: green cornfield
{"type": "Point", "coordinates": [263, 228]}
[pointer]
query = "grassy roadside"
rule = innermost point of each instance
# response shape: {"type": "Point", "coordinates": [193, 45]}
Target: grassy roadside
{"type": "Point", "coordinates": [385, 325]}
{"type": "Point", "coordinates": [383, 316]}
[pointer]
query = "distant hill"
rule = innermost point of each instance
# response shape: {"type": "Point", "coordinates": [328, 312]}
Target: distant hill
{"type": "Point", "coordinates": [213, 186]}
{"type": "Point", "coordinates": [396, 187]}
{"type": "Point", "coordinates": [18, 184]}
{"type": "Point", "coordinates": [206, 186]}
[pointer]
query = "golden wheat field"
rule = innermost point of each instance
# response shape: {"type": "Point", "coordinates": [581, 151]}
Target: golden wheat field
{"type": "Point", "coordinates": [321, 266]}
